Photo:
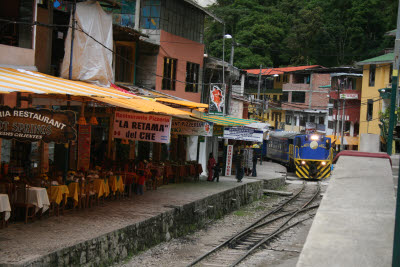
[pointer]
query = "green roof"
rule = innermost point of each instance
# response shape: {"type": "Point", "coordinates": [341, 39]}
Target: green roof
{"type": "Point", "coordinates": [386, 58]}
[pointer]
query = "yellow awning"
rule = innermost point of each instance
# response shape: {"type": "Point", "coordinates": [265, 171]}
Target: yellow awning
{"type": "Point", "coordinates": [348, 140]}
{"type": "Point", "coordinates": [12, 80]}
{"type": "Point", "coordinates": [184, 103]}
{"type": "Point", "coordinates": [143, 105]}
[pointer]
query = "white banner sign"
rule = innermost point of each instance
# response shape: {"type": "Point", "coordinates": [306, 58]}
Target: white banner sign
{"type": "Point", "coordinates": [310, 127]}
{"type": "Point", "coordinates": [244, 134]}
{"type": "Point", "coordinates": [229, 156]}
{"type": "Point", "coordinates": [185, 127]}
{"type": "Point", "coordinates": [348, 96]}
{"type": "Point", "coordinates": [142, 127]}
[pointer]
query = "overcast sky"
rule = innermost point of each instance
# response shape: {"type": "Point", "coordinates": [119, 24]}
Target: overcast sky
{"type": "Point", "coordinates": [205, 2]}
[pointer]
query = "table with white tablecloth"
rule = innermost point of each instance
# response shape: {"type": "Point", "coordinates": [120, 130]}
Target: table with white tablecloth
{"type": "Point", "coordinates": [5, 205]}
{"type": "Point", "coordinates": [38, 197]}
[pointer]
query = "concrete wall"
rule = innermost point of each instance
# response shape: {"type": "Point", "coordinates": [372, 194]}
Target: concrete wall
{"type": "Point", "coordinates": [147, 60]}
{"type": "Point", "coordinates": [236, 109]}
{"type": "Point", "coordinates": [369, 143]}
{"type": "Point", "coordinates": [184, 50]}
{"type": "Point", "coordinates": [12, 55]}
{"type": "Point", "coordinates": [178, 221]}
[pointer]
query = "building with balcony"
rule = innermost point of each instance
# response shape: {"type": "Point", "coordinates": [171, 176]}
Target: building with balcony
{"type": "Point", "coordinates": [344, 106]}
{"type": "Point", "coordinates": [271, 94]}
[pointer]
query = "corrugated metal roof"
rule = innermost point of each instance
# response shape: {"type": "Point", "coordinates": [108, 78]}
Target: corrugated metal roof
{"type": "Point", "coordinates": [273, 71]}
{"type": "Point", "coordinates": [283, 134]}
{"type": "Point", "coordinates": [387, 58]}
{"type": "Point", "coordinates": [227, 121]}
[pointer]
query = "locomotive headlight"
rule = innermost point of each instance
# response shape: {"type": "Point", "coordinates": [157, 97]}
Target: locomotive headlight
{"type": "Point", "coordinates": [314, 137]}
{"type": "Point", "coordinates": [323, 163]}
{"type": "Point", "coordinates": [303, 162]}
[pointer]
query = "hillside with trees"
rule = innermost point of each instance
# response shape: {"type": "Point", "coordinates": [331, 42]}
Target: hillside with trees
{"type": "Point", "coordinates": [301, 32]}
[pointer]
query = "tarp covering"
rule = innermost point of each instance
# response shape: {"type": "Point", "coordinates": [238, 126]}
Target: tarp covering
{"type": "Point", "coordinates": [91, 62]}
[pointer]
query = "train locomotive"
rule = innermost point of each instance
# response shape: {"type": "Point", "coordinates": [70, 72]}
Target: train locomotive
{"type": "Point", "coordinates": [308, 155]}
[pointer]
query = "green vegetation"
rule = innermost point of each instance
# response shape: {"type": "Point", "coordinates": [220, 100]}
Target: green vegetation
{"type": "Point", "coordinates": [299, 32]}
{"type": "Point", "coordinates": [241, 213]}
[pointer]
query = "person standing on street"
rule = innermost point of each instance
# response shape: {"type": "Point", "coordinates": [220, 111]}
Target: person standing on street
{"type": "Point", "coordinates": [210, 167]}
{"type": "Point", "coordinates": [238, 160]}
{"type": "Point", "coordinates": [255, 159]}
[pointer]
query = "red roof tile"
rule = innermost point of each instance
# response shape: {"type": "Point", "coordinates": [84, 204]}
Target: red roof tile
{"type": "Point", "coordinates": [272, 71]}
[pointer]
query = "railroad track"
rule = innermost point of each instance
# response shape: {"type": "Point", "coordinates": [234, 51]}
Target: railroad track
{"type": "Point", "coordinates": [283, 217]}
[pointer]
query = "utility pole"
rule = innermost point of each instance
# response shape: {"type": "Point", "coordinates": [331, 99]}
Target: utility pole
{"type": "Point", "coordinates": [337, 120]}
{"type": "Point", "coordinates": [259, 86]}
{"type": "Point", "coordinates": [395, 82]}
{"type": "Point", "coordinates": [342, 131]}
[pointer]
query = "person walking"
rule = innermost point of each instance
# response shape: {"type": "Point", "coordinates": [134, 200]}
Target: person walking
{"type": "Point", "coordinates": [238, 160]}
{"type": "Point", "coordinates": [217, 169]}
{"type": "Point", "coordinates": [210, 167]}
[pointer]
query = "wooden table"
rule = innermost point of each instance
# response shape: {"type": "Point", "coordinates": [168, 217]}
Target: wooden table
{"type": "Point", "coordinates": [57, 192]}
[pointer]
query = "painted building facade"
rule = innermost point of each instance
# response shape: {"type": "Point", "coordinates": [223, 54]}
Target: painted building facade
{"type": "Point", "coordinates": [376, 75]}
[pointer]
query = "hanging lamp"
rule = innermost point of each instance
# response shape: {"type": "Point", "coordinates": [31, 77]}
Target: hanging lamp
{"type": "Point", "coordinates": [93, 119]}
{"type": "Point", "coordinates": [82, 120]}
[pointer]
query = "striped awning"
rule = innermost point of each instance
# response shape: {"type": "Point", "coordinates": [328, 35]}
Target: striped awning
{"type": "Point", "coordinates": [227, 121]}
{"type": "Point", "coordinates": [19, 80]}
{"type": "Point", "coordinates": [183, 103]}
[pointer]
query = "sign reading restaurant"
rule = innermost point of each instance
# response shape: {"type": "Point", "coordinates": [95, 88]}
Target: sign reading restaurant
{"type": "Point", "coordinates": [142, 127]}
{"type": "Point", "coordinates": [32, 125]}
{"type": "Point", "coordinates": [244, 134]}
{"type": "Point", "coordinates": [186, 127]}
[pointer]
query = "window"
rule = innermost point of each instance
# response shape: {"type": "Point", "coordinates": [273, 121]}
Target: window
{"type": "Point", "coordinates": [302, 121]}
{"type": "Point", "coordinates": [285, 78]}
{"type": "Point", "coordinates": [370, 109]}
{"type": "Point", "coordinates": [150, 18]}
{"type": "Point", "coordinates": [372, 69]}
{"type": "Point", "coordinates": [288, 119]}
{"type": "Point", "coordinates": [298, 97]}
{"type": "Point", "coordinates": [278, 78]}
{"type": "Point", "coordinates": [285, 97]}
{"type": "Point", "coordinates": [321, 120]}
{"type": "Point", "coordinates": [12, 34]}
{"type": "Point", "coordinates": [275, 98]}
{"type": "Point", "coordinates": [123, 69]}
{"type": "Point", "coordinates": [267, 116]}
{"type": "Point", "coordinates": [192, 77]}
{"type": "Point", "coordinates": [169, 75]}
{"type": "Point", "coordinates": [312, 118]}
{"type": "Point", "coordinates": [330, 124]}
{"type": "Point", "coordinates": [331, 112]}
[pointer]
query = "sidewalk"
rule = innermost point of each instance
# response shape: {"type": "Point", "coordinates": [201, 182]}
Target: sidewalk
{"type": "Point", "coordinates": [22, 244]}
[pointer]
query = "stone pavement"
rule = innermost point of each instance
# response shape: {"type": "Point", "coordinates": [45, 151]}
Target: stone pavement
{"type": "Point", "coordinates": [354, 225]}
{"type": "Point", "coordinates": [272, 174]}
{"type": "Point", "coordinates": [21, 244]}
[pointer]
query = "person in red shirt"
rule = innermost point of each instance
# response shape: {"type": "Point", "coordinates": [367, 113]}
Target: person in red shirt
{"type": "Point", "coordinates": [141, 181]}
{"type": "Point", "coordinates": [210, 167]}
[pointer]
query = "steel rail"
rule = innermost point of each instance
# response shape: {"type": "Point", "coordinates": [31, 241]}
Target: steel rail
{"type": "Point", "coordinates": [233, 241]}
{"type": "Point", "coordinates": [253, 224]}
{"type": "Point", "coordinates": [279, 229]}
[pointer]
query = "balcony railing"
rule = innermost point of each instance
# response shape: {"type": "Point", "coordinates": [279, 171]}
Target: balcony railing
{"type": "Point", "coordinates": [295, 86]}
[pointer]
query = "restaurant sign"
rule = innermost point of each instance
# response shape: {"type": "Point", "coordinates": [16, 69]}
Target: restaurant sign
{"type": "Point", "coordinates": [142, 127]}
{"type": "Point", "coordinates": [186, 127]}
{"type": "Point", "coordinates": [29, 124]}
{"type": "Point", "coordinates": [229, 156]}
{"type": "Point", "coordinates": [244, 134]}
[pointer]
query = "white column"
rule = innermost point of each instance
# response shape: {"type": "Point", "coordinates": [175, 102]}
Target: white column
{"type": "Point", "coordinates": [137, 15]}
{"type": "Point", "coordinates": [191, 149]}
{"type": "Point", "coordinates": [351, 128]}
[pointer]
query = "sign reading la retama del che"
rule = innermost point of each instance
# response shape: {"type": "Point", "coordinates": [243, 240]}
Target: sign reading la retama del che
{"type": "Point", "coordinates": [142, 127]}
{"type": "Point", "coordinates": [29, 124]}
